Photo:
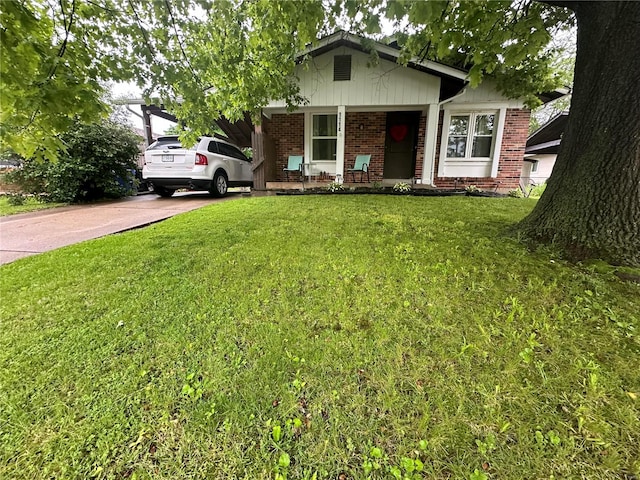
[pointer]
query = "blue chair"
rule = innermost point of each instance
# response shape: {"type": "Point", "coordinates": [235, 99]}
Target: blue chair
{"type": "Point", "coordinates": [362, 166]}
{"type": "Point", "coordinates": [294, 165]}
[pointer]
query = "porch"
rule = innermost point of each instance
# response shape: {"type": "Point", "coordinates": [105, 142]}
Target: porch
{"type": "Point", "coordinates": [329, 144]}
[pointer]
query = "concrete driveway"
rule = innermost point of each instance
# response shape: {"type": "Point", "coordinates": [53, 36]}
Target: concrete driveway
{"type": "Point", "coordinates": [36, 232]}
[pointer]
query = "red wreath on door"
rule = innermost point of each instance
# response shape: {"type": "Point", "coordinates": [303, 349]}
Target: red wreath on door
{"type": "Point", "coordinates": [398, 132]}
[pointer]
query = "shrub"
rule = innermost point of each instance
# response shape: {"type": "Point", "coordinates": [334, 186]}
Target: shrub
{"type": "Point", "coordinates": [99, 162]}
{"type": "Point", "coordinates": [537, 190]}
{"type": "Point", "coordinates": [31, 177]}
{"type": "Point", "coordinates": [402, 187]}
{"type": "Point", "coordinates": [517, 193]}
{"type": "Point", "coordinates": [471, 189]}
{"type": "Point", "coordinates": [15, 199]}
{"type": "Point", "coordinates": [335, 187]}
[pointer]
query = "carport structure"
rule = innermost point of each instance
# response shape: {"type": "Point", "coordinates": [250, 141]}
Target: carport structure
{"type": "Point", "coordinates": [238, 132]}
{"type": "Point", "coordinates": [242, 133]}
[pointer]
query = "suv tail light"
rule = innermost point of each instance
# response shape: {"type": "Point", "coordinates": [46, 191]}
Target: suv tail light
{"type": "Point", "coordinates": [201, 159]}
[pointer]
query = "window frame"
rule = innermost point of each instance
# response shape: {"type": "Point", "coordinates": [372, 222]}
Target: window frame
{"type": "Point", "coordinates": [471, 134]}
{"type": "Point", "coordinates": [468, 166]}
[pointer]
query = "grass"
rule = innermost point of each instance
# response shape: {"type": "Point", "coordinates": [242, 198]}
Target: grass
{"type": "Point", "coordinates": [309, 337]}
{"type": "Point", "coordinates": [537, 190]}
{"type": "Point", "coordinates": [30, 205]}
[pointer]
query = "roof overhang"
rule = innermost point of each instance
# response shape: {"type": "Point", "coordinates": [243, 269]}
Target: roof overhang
{"type": "Point", "coordinates": [548, 137]}
{"type": "Point", "coordinates": [546, 97]}
{"type": "Point", "coordinates": [546, 147]}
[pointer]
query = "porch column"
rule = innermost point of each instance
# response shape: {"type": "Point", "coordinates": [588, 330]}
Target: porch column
{"type": "Point", "coordinates": [430, 138]}
{"type": "Point", "coordinates": [340, 142]}
{"type": "Point", "coordinates": [146, 125]}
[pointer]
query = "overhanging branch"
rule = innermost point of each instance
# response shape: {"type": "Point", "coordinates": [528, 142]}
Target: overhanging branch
{"type": "Point", "coordinates": [571, 5]}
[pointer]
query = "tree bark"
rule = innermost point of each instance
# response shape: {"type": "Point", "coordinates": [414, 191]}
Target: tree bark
{"type": "Point", "coordinates": [591, 207]}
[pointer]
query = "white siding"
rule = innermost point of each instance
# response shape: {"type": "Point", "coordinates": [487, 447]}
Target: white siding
{"type": "Point", "coordinates": [545, 167]}
{"type": "Point", "coordinates": [486, 93]}
{"type": "Point", "coordinates": [386, 84]}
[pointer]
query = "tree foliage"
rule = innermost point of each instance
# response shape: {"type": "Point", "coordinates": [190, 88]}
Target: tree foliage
{"type": "Point", "coordinates": [53, 58]}
{"type": "Point", "coordinates": [563, 63]}
{"type": "Point", "coordinates": [231, 56]}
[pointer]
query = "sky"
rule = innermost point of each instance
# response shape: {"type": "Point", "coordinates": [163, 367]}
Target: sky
{"type": "Point", "coordinates": [130, 90]}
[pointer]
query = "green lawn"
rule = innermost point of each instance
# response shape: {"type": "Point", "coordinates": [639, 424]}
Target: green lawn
{"type": "Point", "coordinates": [30, 205]}
{"type": "Point", "coordinates": [306, 337]}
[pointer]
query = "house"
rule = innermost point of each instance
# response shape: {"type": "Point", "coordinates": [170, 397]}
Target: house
{"type": "Point", "coordinates": [542, 149]}
{"type": "Point", "coordinates": [421, 124]}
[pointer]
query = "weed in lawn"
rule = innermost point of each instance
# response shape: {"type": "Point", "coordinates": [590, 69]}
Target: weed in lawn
{"type": "Point", "coordinates": [194, 387]}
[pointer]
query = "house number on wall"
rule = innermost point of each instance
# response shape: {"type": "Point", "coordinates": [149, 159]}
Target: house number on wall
{"type": "Point", "coordinates": [339, 123]}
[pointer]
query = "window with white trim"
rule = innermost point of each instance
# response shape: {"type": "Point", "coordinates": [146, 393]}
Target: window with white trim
{"type": "Point", "coordinates": [324, 137]}
{"type": "Point", "coordinates": [471, 135]}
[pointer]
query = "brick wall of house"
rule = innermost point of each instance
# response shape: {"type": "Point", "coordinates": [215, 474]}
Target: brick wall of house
{"type": "Point", "coordinates": [287, 132]}
{"type": "Point", "coordinates": [514, 138]}
{"type": "Point", "coordinates": [365, 141]}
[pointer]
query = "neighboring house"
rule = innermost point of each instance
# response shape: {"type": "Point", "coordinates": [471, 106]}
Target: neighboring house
{"type": "Point", "coordinates": [542, 149]}
{"type": "Point", "coordinates": [421, 124]}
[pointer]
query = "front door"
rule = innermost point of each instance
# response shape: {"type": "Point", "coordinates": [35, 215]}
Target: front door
{"type": "Point", "coordinates": [401, 144]}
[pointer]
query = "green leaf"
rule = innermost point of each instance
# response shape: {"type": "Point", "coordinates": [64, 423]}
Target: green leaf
{"type": "Point", "coordinates": [276, 433]}
{"type": "Point", "coordinates": [375, 452]}
{"type": "Point", "coordinates": [478, 475]}
{"type": "Point", "coordinates": [284, 461]}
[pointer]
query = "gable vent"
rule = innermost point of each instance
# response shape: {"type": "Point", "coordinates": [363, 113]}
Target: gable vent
{"type": "Point", "coordinates": [341, 68]}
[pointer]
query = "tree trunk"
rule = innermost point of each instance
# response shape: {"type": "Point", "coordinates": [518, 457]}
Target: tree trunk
{"type": "Point", "coordinates": [591, 207]}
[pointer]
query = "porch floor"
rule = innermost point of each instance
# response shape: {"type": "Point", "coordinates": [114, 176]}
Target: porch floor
{"type": "Point", "coordinates": [323, 183]}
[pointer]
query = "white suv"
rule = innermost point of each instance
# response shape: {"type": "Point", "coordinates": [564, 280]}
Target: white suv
{"type": "Point", "coordinates": [213, 165]}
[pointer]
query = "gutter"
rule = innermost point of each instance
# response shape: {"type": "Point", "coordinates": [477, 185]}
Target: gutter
{"type": "Point", "coordinates": [451, 99]}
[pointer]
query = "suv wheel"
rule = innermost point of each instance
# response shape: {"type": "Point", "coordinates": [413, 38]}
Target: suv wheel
{"type": "Point", "coordinates": [220, 185]}
{"type": "Point", "coordinates": [164, 192]}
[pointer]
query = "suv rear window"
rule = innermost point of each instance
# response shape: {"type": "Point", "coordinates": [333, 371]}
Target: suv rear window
{"type": "Point", "coordinates": [165, 142]}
